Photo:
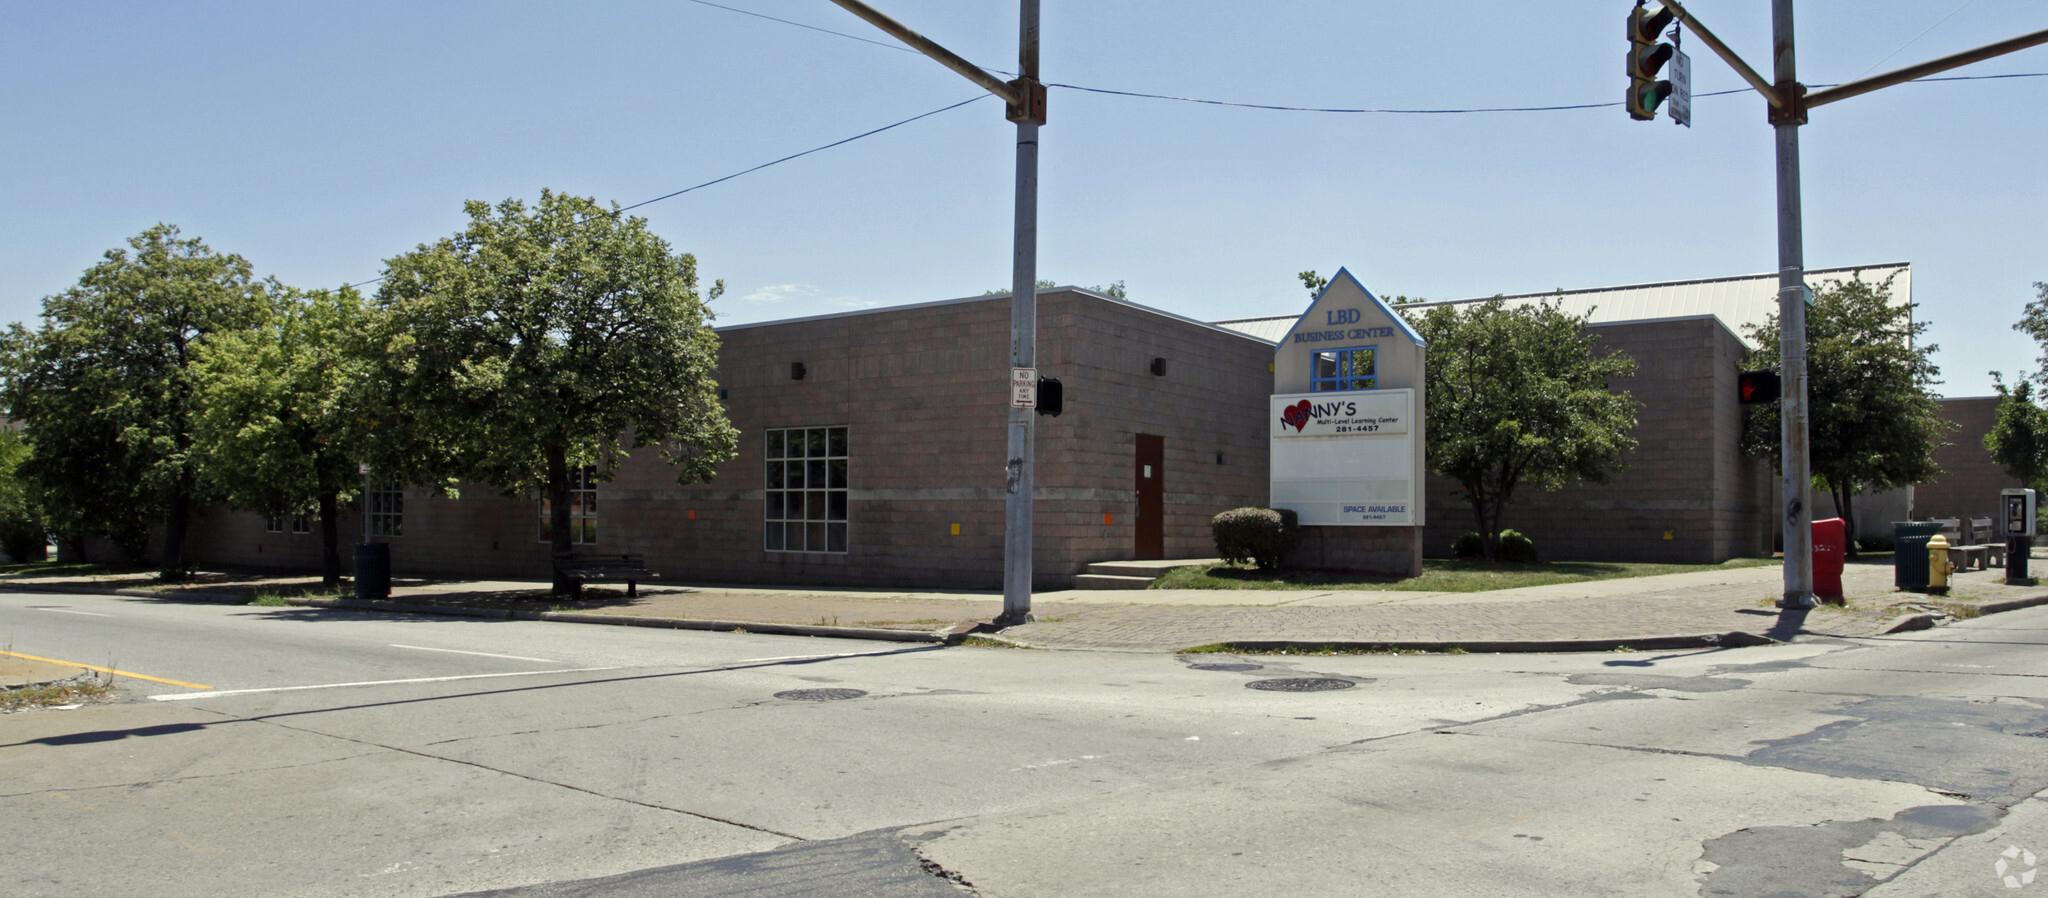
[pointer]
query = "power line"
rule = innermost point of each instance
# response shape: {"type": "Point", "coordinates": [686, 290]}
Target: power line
{"type": "Point", "coordinates": [763, 165]}
{"type": "Point", "coordinates": [1915, 40]}
{"type": "Point", "coordinates": [851, 37]}
{"type": "Point", "coordinates": [807, 152]}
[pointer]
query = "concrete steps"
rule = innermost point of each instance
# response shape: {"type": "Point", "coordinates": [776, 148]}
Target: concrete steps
{"type": "Point", "coordinates": [1130, 574]}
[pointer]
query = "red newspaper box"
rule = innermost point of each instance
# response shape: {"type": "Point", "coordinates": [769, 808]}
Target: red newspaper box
{"type": "Point", "coordinates": [1830, 543]}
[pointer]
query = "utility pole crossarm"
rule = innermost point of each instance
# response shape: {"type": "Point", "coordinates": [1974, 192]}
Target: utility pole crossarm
{"type": "Point", "coordinates": [1909, 73]}
{"type": "Point", "coordinates": [1735, 62]}
{"type": "Point", "coordinates": [1003, 89]}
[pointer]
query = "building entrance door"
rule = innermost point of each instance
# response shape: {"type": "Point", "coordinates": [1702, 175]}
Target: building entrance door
{"type": "Point", "coordinates": [1151, 479]}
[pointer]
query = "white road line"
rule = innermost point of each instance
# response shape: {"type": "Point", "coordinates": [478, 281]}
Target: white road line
{"type": "Point", "coordinates": [423, 648]}
{"type": "Point", "coordinates": [69, 611]}
{"type": "Point", "coordinates": [184, 696]}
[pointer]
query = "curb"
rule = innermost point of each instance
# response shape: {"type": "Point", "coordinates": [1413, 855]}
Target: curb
{"type": "Point", "coordinates": [667, 623]}
{"type": "Point", "coordinates": [1732, 639]}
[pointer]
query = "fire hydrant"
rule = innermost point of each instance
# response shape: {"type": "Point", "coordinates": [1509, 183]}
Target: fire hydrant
{"type": "Point", "coordinates": [1938, 566]}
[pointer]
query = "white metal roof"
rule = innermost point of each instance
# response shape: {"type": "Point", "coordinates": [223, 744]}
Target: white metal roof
{"type": "Point", "coordinates": [1739, 302]}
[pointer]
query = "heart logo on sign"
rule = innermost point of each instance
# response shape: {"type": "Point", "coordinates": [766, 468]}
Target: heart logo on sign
{"type": "Point", "coordinates": [1296, 415]}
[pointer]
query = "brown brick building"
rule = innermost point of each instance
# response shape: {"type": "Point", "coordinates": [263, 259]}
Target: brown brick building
{"type": "Point", "coordinates": [871, 452]}
{"type": "Point", "coordinates": [882, 464]}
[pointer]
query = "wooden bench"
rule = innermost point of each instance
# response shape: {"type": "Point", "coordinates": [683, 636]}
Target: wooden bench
{"type": "Point", "coordinates": [625, 568]}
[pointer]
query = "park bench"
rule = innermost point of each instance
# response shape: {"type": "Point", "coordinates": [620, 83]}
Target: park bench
{"type": "Point", "coordinates": [1978, 547]}
{"type": "Point", "coordinates": [579, 568]}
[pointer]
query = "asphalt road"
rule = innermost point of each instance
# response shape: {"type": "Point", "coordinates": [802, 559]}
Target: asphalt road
{"type": "Point", "coordinates": [339, 753]}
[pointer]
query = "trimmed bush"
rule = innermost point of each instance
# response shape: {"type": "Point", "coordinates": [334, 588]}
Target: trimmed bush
{"type": "Point", "coordinates": [1513, 547]}
{"type": "Point", "coordinates": [1257, 535]}
{"type": "Point", "coordinates": [1470, 545]}
{"type": "Point", "coordinates": [1516, 547]}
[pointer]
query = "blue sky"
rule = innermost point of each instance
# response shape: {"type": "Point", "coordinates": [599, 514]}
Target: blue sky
{"type": "Point", "coordinates": [318, 141]}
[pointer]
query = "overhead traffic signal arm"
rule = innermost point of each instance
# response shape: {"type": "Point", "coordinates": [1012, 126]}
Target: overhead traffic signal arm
{"type": "Point", "coordinates": [1647, 55]}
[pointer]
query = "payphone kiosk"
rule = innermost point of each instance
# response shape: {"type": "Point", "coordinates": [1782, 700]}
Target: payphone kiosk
{"type": "Point", "coordinates": [2016, 516]}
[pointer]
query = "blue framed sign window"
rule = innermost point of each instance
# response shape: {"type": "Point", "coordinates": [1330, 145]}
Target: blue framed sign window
{"type": "Point", "coordinates": [1345, 369]}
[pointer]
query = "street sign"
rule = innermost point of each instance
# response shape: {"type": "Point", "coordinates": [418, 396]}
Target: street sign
{"type": "Point", "coordinates": [1681, 88]}
{"type": "Point", "coordinates": [1023, 387]}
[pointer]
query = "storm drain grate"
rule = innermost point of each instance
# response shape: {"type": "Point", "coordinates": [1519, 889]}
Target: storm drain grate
{"type": "Point", "coordinates": [1300, 684]}
{"type": "Point", "coordinates": [1226, 667]}
{"type": "Point", "coordinates": [2038, 734]}
{"type": "Point", "coordinates": [820, 695]}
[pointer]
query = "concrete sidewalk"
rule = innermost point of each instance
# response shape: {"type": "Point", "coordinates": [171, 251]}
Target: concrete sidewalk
{"type": "Point", "coordinates": [1730, 606]}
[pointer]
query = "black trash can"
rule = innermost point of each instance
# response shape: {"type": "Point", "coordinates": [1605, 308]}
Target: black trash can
{"type": "Point", "coordinates": [1909, 553]}
{"type": "Point", "coordinates": [373, 570]}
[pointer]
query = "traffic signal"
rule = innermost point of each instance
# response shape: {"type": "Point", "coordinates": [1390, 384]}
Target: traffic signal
{"type": "Point", "coordinates": [1757, 386]}
{"type": "Point", "coordinates": [1646, 55]}
{"type": "Point", "coordinates": [1051, 396]}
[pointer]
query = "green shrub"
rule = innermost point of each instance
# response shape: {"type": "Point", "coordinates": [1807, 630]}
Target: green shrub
{"type": "Point", "coordinates": [1516, 547]}
{"type": "Point", "coordinates": [1470, 545]}
{"type": "Point", "coordinates": [1257, 535]}
{"type": "Point", "coordinates": [1513, 547]}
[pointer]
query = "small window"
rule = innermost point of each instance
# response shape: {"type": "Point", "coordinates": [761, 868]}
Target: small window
{"type": "Point", "coordinates": [805, 490]}
{"type": "Point", "coordinates": [302, 523]}
{"type": "Point", "coordinates": [273, 524]}
{"type": "Point", "coordinates": [387, 510]}
{"type": "Point", "coordinates": [582, 509]}
{"type": "Point", "coordinates": [1345, 369]}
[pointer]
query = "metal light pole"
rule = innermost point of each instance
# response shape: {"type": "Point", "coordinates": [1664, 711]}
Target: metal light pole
{"type": "Point", "coordinates": [1017, 484]}
{"type": "Point", "coordinates": [1025, 100]}
{"type": "Point", "coordinates": [1796, 479]}
{"type": "Point", "coordinates": [1789, 103]}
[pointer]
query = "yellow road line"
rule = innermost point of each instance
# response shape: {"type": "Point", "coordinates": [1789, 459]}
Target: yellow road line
{"type": "Point", "coordinates": [108, 670]}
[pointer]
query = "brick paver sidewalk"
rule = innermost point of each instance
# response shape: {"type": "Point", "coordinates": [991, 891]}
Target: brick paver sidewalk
{"type": "Point", "coordinates": [1150, 621]}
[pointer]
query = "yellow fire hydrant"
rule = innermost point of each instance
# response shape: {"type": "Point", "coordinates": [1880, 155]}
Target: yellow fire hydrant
{"type": "Point", "coordinates": [1938, 566]}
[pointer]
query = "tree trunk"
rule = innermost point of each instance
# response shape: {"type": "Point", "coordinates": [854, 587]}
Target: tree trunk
{"type": "Point", "coordinates": [330, 536]}
{"type": "Point", "coordinates": [558, 512]}
{"type": "Point", "coordinates": [1846, 507]}
{"type": "Point", "coordinates": [176, 521]}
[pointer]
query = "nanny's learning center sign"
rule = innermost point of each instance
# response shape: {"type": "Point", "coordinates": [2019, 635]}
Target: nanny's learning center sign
{"type": "Point", "coordinates": [1334, 415]}
{"type": "Point", "coordinates": [1345, 459]}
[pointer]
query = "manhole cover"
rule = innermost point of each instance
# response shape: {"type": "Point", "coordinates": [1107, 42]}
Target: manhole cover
{"type": "Point", "coordinates": [1226, 667]}
{"type": "Point", "coordinates": [1300, 684]}
{"type": "Point", "coordinates": [820, 695]}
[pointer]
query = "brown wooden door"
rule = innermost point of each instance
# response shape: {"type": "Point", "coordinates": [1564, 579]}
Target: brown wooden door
{"type": "Point", "coordinates": [1151, 478]}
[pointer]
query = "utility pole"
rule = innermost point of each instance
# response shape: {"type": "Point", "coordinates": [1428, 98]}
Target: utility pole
{"type": "Point", "coordinates": [1024, 99]}
{"type": "Point", "coordinates": [1788, 104]}
{"type": "Point", "coordinates": [1796, 473]}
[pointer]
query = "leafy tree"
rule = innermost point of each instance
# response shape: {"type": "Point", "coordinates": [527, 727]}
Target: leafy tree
{"type": "Point", "coordinates": [23, 532]}
{"type": "Point", "coordinates": [281, 412]}
{"type": "Point", "coordinates": [1517, 396]}
{"type": "Point", "coordinates": [106, 388]}
{"type": "Point", "coordinates": [538, 340]}
{"type": "Point", "coordinates": [2034, 323]}
{"type": "Point", "coordinates": [2018, 440]}
{"type": "Point", "coordinates": [1113, 291]}
{"type": "Point", "coordinates": [1873, 421]}
{"type": "Point", "coordinates": [1315, 283]}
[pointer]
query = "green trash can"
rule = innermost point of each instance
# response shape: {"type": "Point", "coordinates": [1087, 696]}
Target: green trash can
{"type": "Point", "coordinates": [1909, 553]}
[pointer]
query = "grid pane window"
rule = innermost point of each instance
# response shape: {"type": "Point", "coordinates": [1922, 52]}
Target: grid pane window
{"type": "Point", "coordinates": [582, 509]}
{"type": "Point", "coordinates": [804, 501]}
{"type": "Point", "coordinates": [387, 511]}
{"type": "Point", "coordinates": [1345, 369]}
{"type": "Point", "coordinates": [302, 523]}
